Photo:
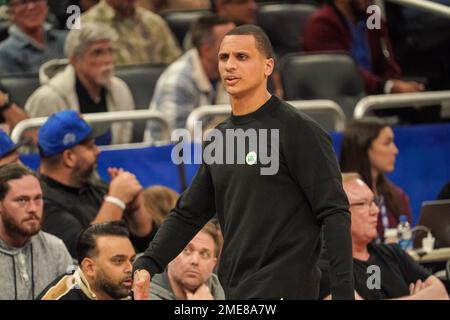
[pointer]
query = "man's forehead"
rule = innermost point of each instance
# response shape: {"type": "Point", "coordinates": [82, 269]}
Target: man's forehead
{"type": "Point", "coordinates": [25, 185]}
{"type": "Point", "coordinates": [238, 42]}
{"type": "Point", "coordinates": [110, 246]}
{"type": "Point", "coordinates": [202, 239]}
{"type": "Point", "coordinates": [100, 43]}
{"type": "Point", "coordinates": [356, 188]}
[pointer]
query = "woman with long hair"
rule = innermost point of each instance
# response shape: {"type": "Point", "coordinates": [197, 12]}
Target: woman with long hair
{"type": "Point", "coordinates": [368, 148]}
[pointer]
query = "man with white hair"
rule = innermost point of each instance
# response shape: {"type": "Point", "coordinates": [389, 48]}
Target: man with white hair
{"type": "Point", "coordinates": [381, 271]}
{"type": "Point", "coordinates": [87, 84]}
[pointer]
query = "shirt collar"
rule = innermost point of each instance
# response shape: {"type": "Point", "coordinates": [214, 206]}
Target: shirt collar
{"type": "Point", "coordinates": [23, 39]}
{"type": "Point", "coordinates": [109, 14]}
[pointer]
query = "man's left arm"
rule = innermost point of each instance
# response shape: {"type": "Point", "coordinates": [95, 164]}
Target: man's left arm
{"type": "Point", "coordinates": [138, 220]}
{"type": "Point", "coordinates": [311, 157]}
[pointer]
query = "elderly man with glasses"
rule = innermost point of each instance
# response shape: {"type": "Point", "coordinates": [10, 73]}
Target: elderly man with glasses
{"type": "Point", "coordinates": [381, 271]}
{"type": "Point", "coordinates": [31, 40]}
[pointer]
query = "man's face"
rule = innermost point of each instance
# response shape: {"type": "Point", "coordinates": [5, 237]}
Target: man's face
{"type": "Point", "coordinates": [21, 209]}
{"type": "Point", "coordinates": [86, 160]}
{"type": "Point", "coordinates": [192, 267]}
{"type": "Point", "coordinates": [242, 67]}
{"type": "Point", "coordinates": [113, 266]}
{"type": "Point", "coordinates": [363, 210]}
{"type": "Point", "coordinates": [97, 63]}
{"type": "Point", "coordinates": [12, 157]}
{"type": "Point", "coordinates": [241, 11]}
{"type": "Point", "coordinates": [219, 32]}
{"type": "Point", "coordinates": [28, 14]}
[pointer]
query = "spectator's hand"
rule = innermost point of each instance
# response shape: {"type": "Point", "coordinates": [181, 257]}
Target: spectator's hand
{"type": "Point", "coordinates": [202, 293]}
{"type": "Point", "coordinates": [125, 186]}
{"type": "Point", "coordinates": [141, 285]}
{"type": "Point", "coordinates": [416, 287]}
{"type": "Point", "coordinates": [401, 86]}
{"type": "Point", "coordinates": [357, 296]}
{"type": "Point", "coordinates": [114, 172]}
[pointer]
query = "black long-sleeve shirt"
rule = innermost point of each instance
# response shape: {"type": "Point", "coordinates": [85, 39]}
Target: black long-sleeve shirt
{"type": "Point", "coordinates": [271, 223]}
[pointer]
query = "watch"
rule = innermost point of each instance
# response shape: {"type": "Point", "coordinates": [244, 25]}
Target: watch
{"type": "Point", "coordinates": [6, 102]}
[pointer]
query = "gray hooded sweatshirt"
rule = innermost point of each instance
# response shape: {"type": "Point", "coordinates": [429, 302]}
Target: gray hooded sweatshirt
{"type": "Point", "coordinates": [26, 271]}
{"type": "Point", "coordinates": [160, 287]}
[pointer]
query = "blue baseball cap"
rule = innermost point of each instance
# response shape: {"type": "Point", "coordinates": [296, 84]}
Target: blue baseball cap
{"type": "Point", "coordinates": [62, 130]}
{"type": "Point", "coordinates": [7, 145]}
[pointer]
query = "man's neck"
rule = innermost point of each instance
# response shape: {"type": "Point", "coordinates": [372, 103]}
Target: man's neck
{"type": "Point", "coordinates": [12, 239]}
{"type": "Point", "coordinates": [37, 34]}
{"type": "Point", "coordinates": [64, 178]}
{"type": "Point", "coordinates": [93, 89]}
{"type": "Point", "coordinates": [177, 290]}
{"type": "Point", "coordinates": [360, 251]}
{"type": "Point", "coordinates": [126, 13]}
{"type": "Point", "coordinates": [250, 103]}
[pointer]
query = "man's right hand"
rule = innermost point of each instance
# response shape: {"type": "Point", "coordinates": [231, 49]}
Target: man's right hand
{"type": "Point", "coordinates": [202, 293]}
{"type": "Point", "coordinates": [141, 285]}
{"type": "Point", "coordinates": [125, 186]}
{"type": "Point", "coordinates": [401, 86]}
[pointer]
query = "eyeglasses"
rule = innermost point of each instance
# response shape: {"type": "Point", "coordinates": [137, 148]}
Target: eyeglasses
{"type": "Point", "coordinates": [366, 204]}
{"type": "Point", "coordinates": [23, 3]}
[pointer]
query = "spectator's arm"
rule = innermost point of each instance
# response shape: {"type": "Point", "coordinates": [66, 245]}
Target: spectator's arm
{"type": "Point", "coordinates": [124, 188]}
{"type": "Point", "coordinates": [431, 289]}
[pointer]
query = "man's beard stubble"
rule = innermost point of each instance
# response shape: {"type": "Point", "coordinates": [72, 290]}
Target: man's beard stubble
{"type": "Point", "coordinates": [13, 228]}
{"type": "Point", "coordinates": [115, 290]}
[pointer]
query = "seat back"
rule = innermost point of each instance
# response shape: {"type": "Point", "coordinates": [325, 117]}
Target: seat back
{"type": "Point", "coordinates": [332, 76]}
{"type": "Point", "coordinates": [141, 79]}
{"type": "Point", "coordinates": [180, 21]}
{"type": "Point", "coordinates": [21, 86]}
{"type": "Point", "coordinates": [284, 24]}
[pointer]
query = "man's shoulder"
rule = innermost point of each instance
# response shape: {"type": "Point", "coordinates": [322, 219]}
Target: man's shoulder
{"type": "Point", "coordinates": [64, 287]}
{"type": "Point", "coordinates": [180, 71]}
{"type": "Point", "coordinates": [148, 17]}
{"type": "Point", "coordinates": [101, 12]}
{"type": "Point", "coordinates": [48, 240]}
{"type": "Point", "coordinates": [57, 35]}
{"type": "Point", "coordinates": [296, 119]}
{"type": "Point", "coordinates": [215, 287]}
{"type": "Point", "coordinates": [325, 12]}
{"type": "Point", "coordinates": [160, 288]}
{"type": "Point", "coordinates": [391, 250]}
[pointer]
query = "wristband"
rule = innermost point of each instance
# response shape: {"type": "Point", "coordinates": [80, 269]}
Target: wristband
{"type": "Point", "coordinates": [116, 201]}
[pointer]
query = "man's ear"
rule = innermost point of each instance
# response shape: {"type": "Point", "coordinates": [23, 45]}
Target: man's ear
{"type": "Point", "coordinates": [270, 63]}
{"type": "Point", "coordinates": [69, 158]}
{"type": "Point", "coordinates": [74, 60]}
{"type": "Point", "coordinates": [88, 267]}
{"type": "Point", "coordinates": [203, 51]}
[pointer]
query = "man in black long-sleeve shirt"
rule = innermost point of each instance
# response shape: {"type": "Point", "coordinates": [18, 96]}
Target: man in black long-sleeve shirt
{"type": "Point", "coordinates": [271, 216]}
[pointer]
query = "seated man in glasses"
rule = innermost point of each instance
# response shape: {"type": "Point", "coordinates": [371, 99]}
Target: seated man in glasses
{"type": "Point", "coordinates": [31, 41]}
{"type": "Point", "coordinates": [380, 271]}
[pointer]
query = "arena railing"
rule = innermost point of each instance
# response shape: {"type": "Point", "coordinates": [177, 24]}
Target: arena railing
{"type": "Point", "coordinates": [324, 107]}
{"type": "Point", "coordinates": [399, 100]}
{"type": "Point", "coordinates": [433, 7]}
{"type": "Point", "coordinates": [105, 117]}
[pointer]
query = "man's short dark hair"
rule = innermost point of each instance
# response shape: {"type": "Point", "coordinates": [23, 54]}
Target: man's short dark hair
{"type": "Point", "coordinates": [202, 28]}
{"type": "Point", "coordinates": [87, 241]}
{"type": "Point", "coordinates": [261, 39]}
{"type": "Point", "coordinates": [10, 172]}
